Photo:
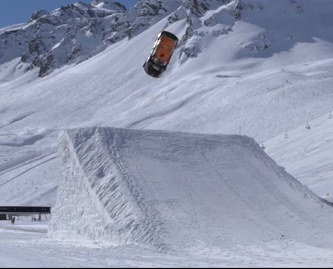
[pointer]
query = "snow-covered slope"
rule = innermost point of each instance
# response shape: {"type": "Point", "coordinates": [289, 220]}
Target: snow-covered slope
{"type": "Point", "coordinates": [306, 152]}
{"type": "Point", "coordinates": [258, 68]}
{"type": "Point", "coordinates": [182, 191]}
{"type": "Point", "coordinates": [232, 84]}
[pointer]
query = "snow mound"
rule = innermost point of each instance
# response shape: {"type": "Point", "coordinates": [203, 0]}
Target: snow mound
{"type": "Point", "coordinates": [174, 190]}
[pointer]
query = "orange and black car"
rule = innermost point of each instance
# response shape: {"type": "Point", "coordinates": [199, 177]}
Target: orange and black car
{"type": "Point", "coordinates": [161, 54]}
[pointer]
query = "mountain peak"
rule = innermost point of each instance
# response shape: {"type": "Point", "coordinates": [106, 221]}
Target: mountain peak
{"type": "Point", "coordinates": [39, 13]}
{"type": "Point", "coordinates": [74, 33]}
{"type": "Point", "coordinates": [108, 4]}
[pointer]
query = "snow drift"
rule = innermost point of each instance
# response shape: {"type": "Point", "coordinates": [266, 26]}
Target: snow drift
{"type": "Point", "coordinates": [173, 190]}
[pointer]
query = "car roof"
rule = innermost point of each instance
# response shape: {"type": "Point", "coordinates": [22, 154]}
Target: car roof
{"type": "Point", "coordinates": [169, 34]}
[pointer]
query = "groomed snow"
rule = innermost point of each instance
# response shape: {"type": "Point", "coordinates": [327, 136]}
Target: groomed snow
{"type": "Point", "coordinates": [180, 191]}
{"type": "Point", "coordinates": [205, 204]}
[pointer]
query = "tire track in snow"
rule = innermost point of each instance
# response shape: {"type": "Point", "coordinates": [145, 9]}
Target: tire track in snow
{"type": "Point", "coordinates": [151, 225]}
{"type": "Point", "coordinates": [236, 193]}
{"type": "Point", "coordinates": [152, 215]}
{"type": "Point", "coordinates": [16, 119]}
{"type": "Point", "coordinates": [33, 167]}
{"type": "Point", "coordinates": [21, 161]}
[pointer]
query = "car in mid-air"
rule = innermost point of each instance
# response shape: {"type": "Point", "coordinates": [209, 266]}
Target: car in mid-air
{"type": "Point", "coordinates": [160, 56]}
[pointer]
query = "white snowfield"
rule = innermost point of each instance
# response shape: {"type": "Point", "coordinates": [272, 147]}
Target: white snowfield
{"type": "Point", "coordinates": [180, 191]}
{"type": "Point", "coordinates": [261, 69]}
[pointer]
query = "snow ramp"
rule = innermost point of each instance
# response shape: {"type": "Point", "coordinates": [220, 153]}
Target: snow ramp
{"type": "Point", "coordinates": [173, 190]}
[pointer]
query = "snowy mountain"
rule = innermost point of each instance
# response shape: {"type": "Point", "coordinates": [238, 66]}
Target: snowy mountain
{"type": "Point", "coordinates": [76, 32]}
{"type": "Point", "coordinates": [258, 69]}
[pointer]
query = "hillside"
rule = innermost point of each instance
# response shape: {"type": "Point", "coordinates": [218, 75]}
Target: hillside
{"type": "Point", "coordinates": [243, 67]}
